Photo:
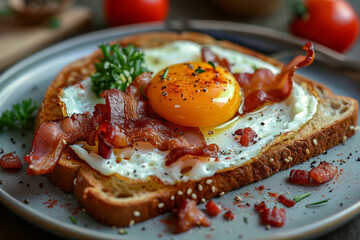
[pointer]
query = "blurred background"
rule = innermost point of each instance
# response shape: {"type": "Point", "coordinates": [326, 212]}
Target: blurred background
{"type": "Point", "coordinates": [27, 26]}
{"type": "Point", "coordinates": [30, 25]}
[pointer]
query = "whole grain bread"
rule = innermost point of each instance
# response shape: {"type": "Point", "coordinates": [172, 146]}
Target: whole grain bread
{"type": "Point", "coordinates": [113, 200]}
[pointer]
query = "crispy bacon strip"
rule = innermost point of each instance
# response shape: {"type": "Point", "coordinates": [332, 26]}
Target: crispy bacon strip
{"type": "Point", "coordinates": [208, 55]}
{"type": "Point", "coordinates": [205, 151]}
{"type": "Point", "coordinates": [263, 86]}
{"type": "Point", "coordinates": [154, 131]}
{"type": "Point", "coordinates": [189, 216]}
{"type": "Point", "coordinates": [51, 139]}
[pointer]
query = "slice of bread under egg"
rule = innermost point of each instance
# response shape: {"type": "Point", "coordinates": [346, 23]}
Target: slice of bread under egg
{"type": "Point", "coordinates": [118, 201]}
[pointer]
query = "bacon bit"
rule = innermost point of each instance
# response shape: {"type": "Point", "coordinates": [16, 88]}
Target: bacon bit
{"type": "Point", "coordinates": [212, 208]}
{"type": "Point", "coordinates": [209, 56]}
{"type": "Point", "coordinates": [247, 136]}
{"type": "Point", "coordinates": [275, 195]}
{"type": "Point", "coordinates": [260, 189]}
{"type": "Point", "coordinates": [9, 161]}
{"type": "Point", "coordinates": [287, 202]}
{"type": "Point", "coordinates": [229, 215]}
{"type": "Point", "coordinates": [273, 216]}
{"type": "Point", "coordinates": [189, 216]}
{"type": "Point", "coordinates": [301, 177]}
{"type": "Point", "coordinates": [324, 172]}
{"type": "Point", "coordinates": [263, 86]}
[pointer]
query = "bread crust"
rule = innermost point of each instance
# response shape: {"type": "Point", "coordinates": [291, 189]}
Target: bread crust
{"type": "Point", "coordinates": [94, 192]}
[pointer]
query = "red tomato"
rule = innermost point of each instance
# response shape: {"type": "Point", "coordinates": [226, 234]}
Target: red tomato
{"type": "Point", "coordinates": [212, 208]}
{"type": "Point", "coordinates": [333, 23]}
{"type": "Point", "coordinates": [122, 12]}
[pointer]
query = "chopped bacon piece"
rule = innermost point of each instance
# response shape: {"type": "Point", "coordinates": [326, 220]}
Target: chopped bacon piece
{"type": "Point", "coordinates": [263, 86]}
{"type": "Point", "coordinates": [51, 139]}
{"type": "Point", "coordinates": [229, 215]}
{"type": "Point", "coordinates": [300, 177]}
{"type": "Point", "coordinates": [273, 216]}
{"type": "Point", "coordinates": [261, 207]}
{"type": "Point", "coordinates": [212, 208]}
{"type": "Point", "coordinates": [206, 151]}
{"type": "Point", "coordinates": [208, 55]}
{"type": "Point", "coordinates": [247, 136]}
{"type": "Point", "coordinates": [324, 172]}
{"type": "Point", "coordinates": [287, 202]}
{"type": "Point", "coordinates": [189, 216]}
{"type": "Point", "coordinates": [10, 161]}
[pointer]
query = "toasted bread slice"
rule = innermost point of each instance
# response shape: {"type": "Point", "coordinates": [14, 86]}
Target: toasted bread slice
{"type": "Point", "coordinates": [115, 201]}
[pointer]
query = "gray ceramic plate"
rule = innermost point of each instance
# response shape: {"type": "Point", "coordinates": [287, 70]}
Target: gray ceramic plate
{"type": "Point", "coordinates": [50, 208]}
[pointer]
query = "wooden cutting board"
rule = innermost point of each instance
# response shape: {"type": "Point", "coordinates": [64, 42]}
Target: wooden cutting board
{"type": "Point", "coordinates": [18, 40]}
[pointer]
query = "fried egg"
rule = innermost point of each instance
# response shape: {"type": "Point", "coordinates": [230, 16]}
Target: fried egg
{"type": "Point", "coordinates": [213, 110]}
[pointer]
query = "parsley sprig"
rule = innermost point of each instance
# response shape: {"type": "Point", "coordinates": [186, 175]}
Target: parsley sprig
{"type": "Point", "coordinates": [118, 67]}
{"type": "Point", "coordinates": [20, 117]}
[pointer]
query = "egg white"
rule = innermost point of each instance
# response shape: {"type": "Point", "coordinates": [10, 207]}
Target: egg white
{"type": "Point", "coordinates": [142, 160]}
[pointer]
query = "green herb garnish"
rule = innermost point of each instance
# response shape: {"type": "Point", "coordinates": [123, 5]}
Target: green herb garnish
{"type": "Point", "coordinates": [73, 219]}
{"type": "Point", "coordinates": [20, 117]}
{"type": "Point", "coordinates": [317, 203]}
{"type": "Point", "coordinates": [199, 70]}
{"type": "Point", "coordinates": [212, 64]}
{"type": "Point", "coordinates": [165, 73]}
{"type": "Point", "coordinates": [142, 92]}
{"type": "Point", "coordinates": [246, 220]}
{"type": "Point", "coordinates": [118, 68]}
{"type": "Point", "coordinates": [301, 197]}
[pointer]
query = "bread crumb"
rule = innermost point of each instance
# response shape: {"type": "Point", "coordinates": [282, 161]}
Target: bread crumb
{"type": "Point", "coordinates": [352, 127]}
{"type": "Point", "coordinates": [131, 223]}
{"type": "Point", "coordinates": [286, 160]}
{"type": "Point", "coordinates": [160, 205]}
{"type": "Point", "coordinates": [209, 181]}
{"type": "Point", "coordinates": [172, 198]}
{"type": "Point", "coordinates": [189, 191]}
{"type": "Point", "coordinates": [314, 141]}
{"type": "Point", "coordinates": [137, 214]}
{"type": "Point", "coordinates": [203, 200]}
{"type": "Point", "coordinates": [222, 194]}
{"type": "Point", "coordinates": [268, 227]}
{"type": "Point", "coordinates": [307, 151]}
{"type": "Point", "coordinates": [213, 188]}
{"type": "Point", "coordinates": [193, 196]}
{"type": "Point", "coordinates": [357, 128]}
{"type": "Point", "coordinates": [200, 187]}
{"type": "Point", "coordinates": [344, 138]}
{"type": "Point", "coordinates": [271, 160]}
{"type": "Point", "coordinates": [179, 193]}
{"type": "Point", "coordinates": [290, 159]}
{"type": "Point", "coordinates": [64, 141]}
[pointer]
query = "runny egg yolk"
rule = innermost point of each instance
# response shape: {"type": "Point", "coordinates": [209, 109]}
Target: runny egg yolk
{"type": "Point", "coordinates": [195, 94]}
